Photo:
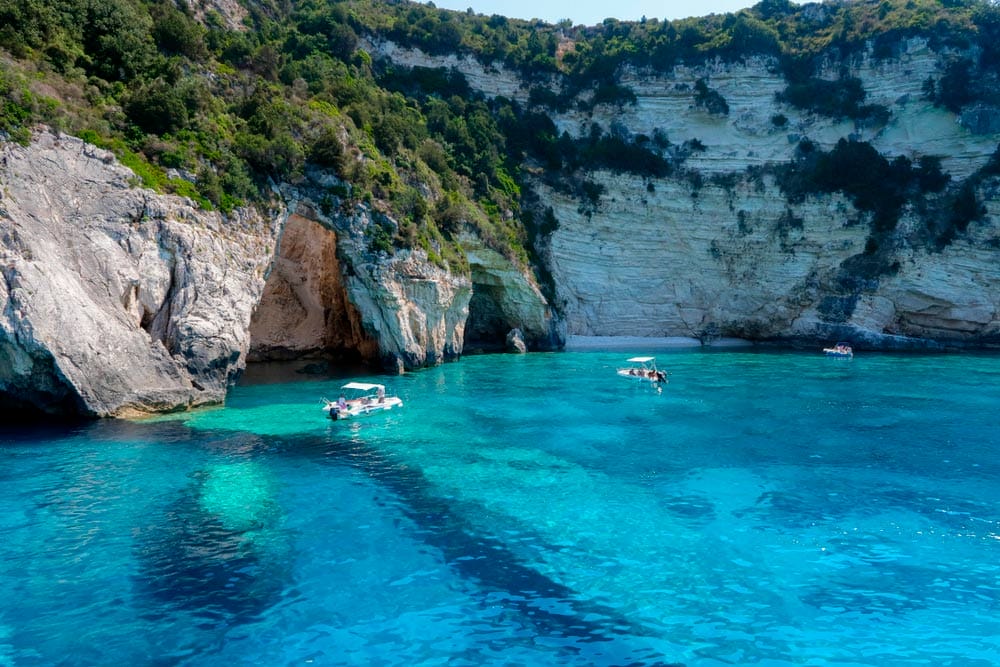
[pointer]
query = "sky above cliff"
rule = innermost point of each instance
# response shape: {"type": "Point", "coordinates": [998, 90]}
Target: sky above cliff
{"type": "Point", "coordinates": [593, 13]}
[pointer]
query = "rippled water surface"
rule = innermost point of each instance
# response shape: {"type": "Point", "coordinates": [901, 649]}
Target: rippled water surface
{"type": "Point", "coordinates": [766, 508]}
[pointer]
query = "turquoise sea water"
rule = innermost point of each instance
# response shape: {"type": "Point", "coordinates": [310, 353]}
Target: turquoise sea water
{"type": "Point", "coordinates": [766, 508]}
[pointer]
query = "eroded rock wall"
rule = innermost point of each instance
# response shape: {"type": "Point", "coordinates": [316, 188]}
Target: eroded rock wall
{"type": "Point", "coordinates": [741, 261]}
{"type": "Point", "coordinates": [304, 310]}
{"type": "Point", "coordinates": [505, 297]}
{"type": "Point", "coordinates": [400, 311]}
{"type": "Point", "coordinates": [114, 300]}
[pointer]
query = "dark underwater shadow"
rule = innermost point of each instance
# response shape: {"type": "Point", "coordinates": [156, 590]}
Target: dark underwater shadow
{"type": "Point", "coordinates": [217, 550]}
{"type": "Point", "coordinates": [203, 554]}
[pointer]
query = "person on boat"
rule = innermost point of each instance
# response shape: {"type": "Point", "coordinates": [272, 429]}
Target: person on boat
{"type": "Point", "coordinates": [381, 395]}
{"type": "Point", "coordinates": [342, 403]}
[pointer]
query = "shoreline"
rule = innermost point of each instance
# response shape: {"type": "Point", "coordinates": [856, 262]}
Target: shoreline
{"type": "Point", "coordinates": [578, 343]}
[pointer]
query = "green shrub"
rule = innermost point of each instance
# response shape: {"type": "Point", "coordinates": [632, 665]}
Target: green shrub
{"type": "Point", "coordinates": [178, 33]}
{"type": "Point", "coordinates": [855, 168]}
{"type": "Point", "coordinates": [841, 98]}
{"type": "Point", "coordinates": [709, 100]}
{"type": "Point", "coordinates": [379, 238]}
{"type": "Point", "coordinates": [327, 150]}
{"type": "Point", "coordinates": [157, 108]}
{"type": "Point", "coordinates": [954, 89]}
{"type": "Point", "coordinates": [16, 110]}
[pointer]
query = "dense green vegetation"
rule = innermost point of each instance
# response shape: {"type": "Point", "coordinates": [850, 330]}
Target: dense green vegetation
{"type": "Point", "coordinates": [873, 183]}
{"type": "Point", "coordinates": [220, 111]}
{"type": "Point", "coordinates": [883, 188]}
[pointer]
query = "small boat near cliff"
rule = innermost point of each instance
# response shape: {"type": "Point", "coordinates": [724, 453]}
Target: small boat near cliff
{"type": "Point", "coordinates": [643, 368]}
{"type": "Point", "coordinates": [360, 399]}
{"type": "Point", "coordinates": [840, 350]}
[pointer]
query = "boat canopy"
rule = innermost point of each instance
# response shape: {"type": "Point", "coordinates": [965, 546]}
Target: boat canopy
{"type": "Point", "coordinates": [641, 360]}
{"type": "Point", "coordinates": [362, 386]}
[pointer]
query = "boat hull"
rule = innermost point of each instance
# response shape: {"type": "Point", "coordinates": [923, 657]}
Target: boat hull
{"type": "Point", "coordinates": [354, 411]}
{"type": "Point", "coordinates": [641, 376]}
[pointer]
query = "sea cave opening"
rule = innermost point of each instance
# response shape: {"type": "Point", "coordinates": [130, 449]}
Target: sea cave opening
{"type": "Point", "coordinates": [487, 326]}
{"type": "Point", "coordinates": [304, 312]}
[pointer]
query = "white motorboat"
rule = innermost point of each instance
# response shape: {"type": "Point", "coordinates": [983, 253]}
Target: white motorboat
{"type": "Point", "coordinates": [643, 368]}
{"type": "Point", "coordinates": [840, 350]}
{"type": "Point", "coordinates": [359, 399]}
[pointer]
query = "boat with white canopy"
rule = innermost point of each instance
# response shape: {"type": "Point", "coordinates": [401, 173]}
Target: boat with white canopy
{"type": "Point", "coordinates": [643, 368]}
{"type": "Point", "coordinates": [359, 399]}
{"type": "Point", "coordinates": [841, 350]}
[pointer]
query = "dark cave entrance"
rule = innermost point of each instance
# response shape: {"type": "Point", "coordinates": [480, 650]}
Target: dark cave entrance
{"type": "Point", "coordinates": [487, 327]}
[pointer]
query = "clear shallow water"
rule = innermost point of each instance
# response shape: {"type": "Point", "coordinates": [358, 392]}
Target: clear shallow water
{"type": "Point", "coordinates": [766, 508]}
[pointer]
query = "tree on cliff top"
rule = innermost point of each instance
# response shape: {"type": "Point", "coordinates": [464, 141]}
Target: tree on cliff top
{"type": "Point", "coordinates": [231, 110]}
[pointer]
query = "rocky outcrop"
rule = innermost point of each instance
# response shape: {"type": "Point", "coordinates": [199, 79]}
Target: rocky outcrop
{"type": "Point", "coordinates": [505, 296]}
{"type": "Point", "coordinates": [116, 301]}
{"type": "Point", "coordinates": [231, 12]}
{"type": "Point", "coordinates": [515, 342]}
{"type": "Point", "coordinates": [330, 292]}
{"type": "Point", "coordinates": [492, 80]}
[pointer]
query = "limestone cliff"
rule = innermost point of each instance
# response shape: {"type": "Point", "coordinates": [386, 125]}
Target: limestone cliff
{"type": "Point", "coordinates": [743, 262]}
{"type": "Point", "coordinates": [329, 293]}
{"type": "Point", "coordinates": [719, 249]}
{"type": "Point", "coordinates": [116, 301]}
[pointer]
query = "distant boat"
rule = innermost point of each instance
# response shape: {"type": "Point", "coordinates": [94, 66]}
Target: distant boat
{"type": "Point", "coordinates": [643, 368]}
{"type": "Point", "coordinates": [359, 399]}
{"type": "Point", "coordinates": [842, 350]}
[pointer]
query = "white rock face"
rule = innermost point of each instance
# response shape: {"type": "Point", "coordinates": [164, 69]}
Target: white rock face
{"type": "Point", "coordinates": [231, 12]}
{"type": "Point", "coordinates": [746, 264]}
{"type": "Point", "coordinates": [493, 81]}
{"type": "Point", "coordinates": [659, 258]}
{"type": "Point", "coordinates": [671, 263]}
{"type": "Point", "coordinates": [114, 300]}
{"type": "Point", "coordinates": [748, 136]}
